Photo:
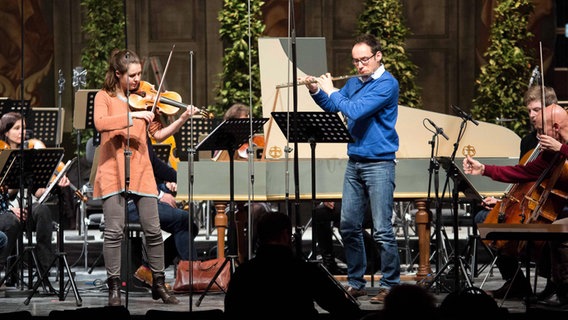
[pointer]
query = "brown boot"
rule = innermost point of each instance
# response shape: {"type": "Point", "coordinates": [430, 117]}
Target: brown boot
{"type": "Point", "coordinates": [159, 289]}
{"type": "Point", "coordinates": [113, 291]}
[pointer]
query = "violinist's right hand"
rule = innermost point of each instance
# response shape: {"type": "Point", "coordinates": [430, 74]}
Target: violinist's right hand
{"type": "Point", "coordinates": [473, 167]}
{"type": "Point", "coordinates": [146, 115]}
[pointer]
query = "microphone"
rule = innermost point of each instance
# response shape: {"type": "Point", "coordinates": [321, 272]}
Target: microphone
{"type": "Point", "coordinates": [438, 130]}
{"type": "Point", "coordinates": [534, 76]}
{"type": "Point", "coordinates": [462, 114]}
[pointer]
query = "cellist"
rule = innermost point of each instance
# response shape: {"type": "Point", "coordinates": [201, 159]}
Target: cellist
{"type": "Point", "coordinates": [550, 144]}
{"type": "Point", "coordinates": [518, 286]}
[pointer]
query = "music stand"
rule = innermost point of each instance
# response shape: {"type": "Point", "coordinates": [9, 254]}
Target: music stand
{"type": "Point", "coordinates": [461, 184]}
{"type": "Point", "coordinates": [60, 255]}
{"type": "Point", "coordinates": [229, 135]}
{"type": "Point", "coordinates": [162, 151]}
{"type": "Point", "coordinates": [83, 119]}
{"type": "Point", "coordinates": [44, 125]}
{"type": "Point", "coordinates": [9, 105]}
{"type": "Point", "coordinates": [38, 168]}
{"type": "Point", "coordinates": [184, 140]}
{"type": "Point", "coordinates": [313, 127]}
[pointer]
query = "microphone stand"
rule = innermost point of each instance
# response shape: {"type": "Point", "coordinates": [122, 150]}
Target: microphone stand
{"type": "Point", "coordinates": [298, 222]}
{"type": "Point", "coordinates": [190, 159]}
{"type": "Point", "coordinates": [61, 82]}
{"type": "Point", "coordinates": [127, 155]}
{"type": "Point", "coordinates": [433, 171]}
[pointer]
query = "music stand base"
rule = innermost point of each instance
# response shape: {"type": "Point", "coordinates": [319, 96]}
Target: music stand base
{"type": "Point", "coordinates": [228, 259]}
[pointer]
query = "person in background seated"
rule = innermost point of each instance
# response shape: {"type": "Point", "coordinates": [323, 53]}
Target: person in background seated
{"type": "Point", "coordinates": [11, 127]}
{"type": "Point", "coordinates": [300, 284]}
{"type": "Point", "coordinates": [327, 216]}
{"type": "Point", "coordinates": [518, 286]}
{"type": "Point", "coordinates": [242, 111]}
{"type": "Point", "coordinates": [3, 240]}
{"type": "Point", "coordinates": [172, 219]}
{"type": "Point", "coordinates": [552, 144]}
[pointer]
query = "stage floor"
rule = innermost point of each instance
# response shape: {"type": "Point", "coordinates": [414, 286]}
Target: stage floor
{"type": "Point", "coordinates": [92, 291]}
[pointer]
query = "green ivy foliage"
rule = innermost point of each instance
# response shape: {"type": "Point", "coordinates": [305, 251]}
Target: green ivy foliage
{"type": "Point", "coordinates": [384, 19]}
{"type": "Point", "coordinates": [503, 80]}
{"type": "Point", "coordinates": [237, 72]}
{"type": "Point", "coordinates": [103, 27]}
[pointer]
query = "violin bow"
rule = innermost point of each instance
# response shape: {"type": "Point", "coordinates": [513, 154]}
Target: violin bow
{"type": "Point", "coordinates": [542, 98]}
{"type": "Point", "coordinates": [162, 80]}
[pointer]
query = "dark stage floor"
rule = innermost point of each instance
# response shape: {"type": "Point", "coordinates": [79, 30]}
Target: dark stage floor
{"type": "Point", "coordinates": [92, 293]}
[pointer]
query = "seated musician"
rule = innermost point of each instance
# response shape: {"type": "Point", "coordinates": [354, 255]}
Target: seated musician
{"type": "Point", "coordinates": [241, 111]}
{"type": "Point", "coordinates": [551, 144]}
{"type": "Point", "coordinates": [519, 286]}
{"type": "Point", "coordinates": [172, 219]}
{"type": "Point", "coordinates": [11, 127]}
{"type": "Point", "coordinates": [327, 215]}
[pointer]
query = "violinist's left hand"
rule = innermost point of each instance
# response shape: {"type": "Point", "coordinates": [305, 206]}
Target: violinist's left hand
{"type": "Point", "coordinates": [549, 143]}
{"type": "Point", "coordinates": [189, 112]}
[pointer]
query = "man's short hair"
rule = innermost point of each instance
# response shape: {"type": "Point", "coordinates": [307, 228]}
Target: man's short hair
{"type": "Point", "coordinates": [271, 225]}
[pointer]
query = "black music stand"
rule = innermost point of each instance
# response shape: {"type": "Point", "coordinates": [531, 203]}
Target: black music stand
{"type": "Point", "coordinates": [184, 138]}
{"type": "Point", "coordinates": [162, 151]}
{"type": "Point", "coordinates": [83, 119]}
{"type": "Point", "coordinates": [229, 135]}
{"type": "Point", "coordinates": [60, 255]}
{"type": "Point", "coordinates": [44, 122]}
{"type": "Point", "coordinates": [312, 127]}
{"type": "Point", "coordinates": [38, 168]}
{"type": "Point", "coordinates": [461, 184]}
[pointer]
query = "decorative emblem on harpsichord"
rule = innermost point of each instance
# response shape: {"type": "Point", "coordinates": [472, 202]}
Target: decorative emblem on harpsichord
{"type": "Point", "coordinates": [275, 152]}
{"type": "Point", "coordinates": [468, 150]}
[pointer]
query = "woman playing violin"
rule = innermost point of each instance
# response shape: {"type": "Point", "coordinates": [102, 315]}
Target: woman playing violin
{"type": "Point", "coordinates": [551, 143]}
{"type": "Point", "coordinates": [124, 131]}
{"type": "Point", "coordinates": [11, 128]}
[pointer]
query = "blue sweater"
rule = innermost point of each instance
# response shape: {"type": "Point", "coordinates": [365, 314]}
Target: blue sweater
{"type": "Point", "coordinates": [371, 108]}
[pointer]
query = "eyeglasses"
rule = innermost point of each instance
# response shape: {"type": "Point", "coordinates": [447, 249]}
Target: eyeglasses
{"type": "Point", "coordinates": [364, 61]}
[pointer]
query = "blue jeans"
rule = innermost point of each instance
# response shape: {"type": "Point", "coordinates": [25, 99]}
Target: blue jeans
{"type": "Point", "coordinates": [369, 182]}
{"type": "Point", "coordinates": [174, 221]}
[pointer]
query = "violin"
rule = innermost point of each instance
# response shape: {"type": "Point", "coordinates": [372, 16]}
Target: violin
{"type": "Point", "coordinates": [257, 144]}
{"type": "Point", "coordinates": [169, 103]}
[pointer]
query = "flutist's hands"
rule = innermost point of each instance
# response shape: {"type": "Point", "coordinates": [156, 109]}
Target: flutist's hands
{"type": "Point", "coordinates": [310, 82]}
{"type": "Point", "coordinates": [473, 167]}
{"type": "Point", "coordinates": [326, 83]}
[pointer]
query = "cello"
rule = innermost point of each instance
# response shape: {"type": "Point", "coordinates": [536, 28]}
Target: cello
{"type": "Point", "coordinates": [539, 201]}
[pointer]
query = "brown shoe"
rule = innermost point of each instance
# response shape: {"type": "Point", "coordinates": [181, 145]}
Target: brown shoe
{"type": "Point", "coordinates": [380, 297]}
{"type": "Point", "coordinates": [355, 293]}
{"type": "Point", "coordinates": [144, 275]}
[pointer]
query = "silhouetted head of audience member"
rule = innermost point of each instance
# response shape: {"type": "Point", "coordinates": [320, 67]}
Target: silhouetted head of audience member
{"type": "Point", "coordinates": [407, 301]}
{"type": "Point", "coordinates": [275, 229]}
{"type": "Point", "coordinates": [470, 303]}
